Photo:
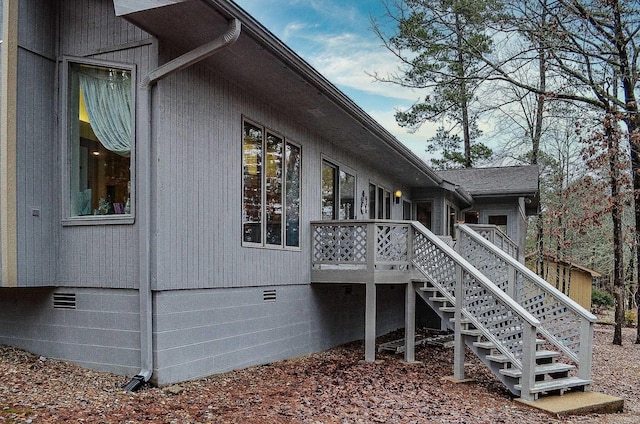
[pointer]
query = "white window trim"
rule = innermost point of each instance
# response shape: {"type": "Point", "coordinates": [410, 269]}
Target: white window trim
{"type": "Point", "coordinates": [377, 201]}
{"type": "Point", "coordinates": [88, 220]}
{"type": "Point", "coordinates": [263, 227]}
{"type": "Point", "coordinates": [341, 167]}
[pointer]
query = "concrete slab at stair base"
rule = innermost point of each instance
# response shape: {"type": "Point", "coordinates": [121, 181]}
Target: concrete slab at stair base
{"type": "Point", "coordinates": [577, 403]}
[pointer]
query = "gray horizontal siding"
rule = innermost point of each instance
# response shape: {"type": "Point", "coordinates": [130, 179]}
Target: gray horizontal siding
{"type": "Point", "coordinates": [37, 150]}
{"type": "Point", "coordinates": [90, 26]}
{"type": "Point", "coordinates": [101, 255]}
{"type": "Point", "coordinates": [198, 130]}
{"type": "Point", "coordinates": [37, 177]}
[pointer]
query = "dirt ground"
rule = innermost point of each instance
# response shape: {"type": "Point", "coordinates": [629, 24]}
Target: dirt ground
{"type": "Point", "coordinates": [327, 387]}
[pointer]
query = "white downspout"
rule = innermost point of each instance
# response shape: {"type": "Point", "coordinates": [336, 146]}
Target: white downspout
{"type": "Point", "coordinates": [145, 180]}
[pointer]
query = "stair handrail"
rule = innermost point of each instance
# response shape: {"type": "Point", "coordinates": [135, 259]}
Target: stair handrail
{"type": "Point", "coordinates": [510, 332]}
{"type": "Point", "coordinates": [553, 326]}
{"type": "Point", "coordinates": [498, 238]}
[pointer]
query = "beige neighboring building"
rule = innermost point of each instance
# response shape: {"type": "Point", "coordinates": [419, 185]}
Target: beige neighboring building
{"type": "Point", "coordinates": [570, 278]}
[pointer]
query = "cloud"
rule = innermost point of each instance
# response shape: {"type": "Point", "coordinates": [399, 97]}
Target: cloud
{"type": "Point", "coordinates": [416, 141]}
{"type": "Point", "coordinates": [350, 60]}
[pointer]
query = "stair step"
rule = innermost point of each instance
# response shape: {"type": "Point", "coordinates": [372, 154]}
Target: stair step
{"type": "Point", "coordinates": [447, 308]}
{"type": "Point", "coordinates": [438, 299]}
{"type": "Point", "coordinates": [429, 289]}
{"type": "Point", "coordinates": [471, 332]}
{"type": "Point", "coordinates": [540, 370]}
{"type": "Point", "coordinates": [490, 345]}
{"type": "Point", "coordinates": [561, 384]}
{"type": "Point", "coordinates": [462, 321]}
{"type": "Point", "coordinates": [540, 354]}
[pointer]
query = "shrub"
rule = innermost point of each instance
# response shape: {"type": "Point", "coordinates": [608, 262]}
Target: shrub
{"type": "Point", "coordinates": [630, 318]}
{"type": "Point", "coordinates": [601, 299]}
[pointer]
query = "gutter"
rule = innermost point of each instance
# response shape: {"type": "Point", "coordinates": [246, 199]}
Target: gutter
{"type": "Point", "coordinates": [145, 180]}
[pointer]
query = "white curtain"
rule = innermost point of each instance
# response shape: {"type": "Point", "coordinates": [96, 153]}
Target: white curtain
{"type": "Point", "coordinates": [107, 99]}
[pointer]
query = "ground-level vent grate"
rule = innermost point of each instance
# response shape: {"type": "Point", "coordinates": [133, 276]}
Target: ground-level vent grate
{"type": "Point", "coordinates": [64, 301]}
{"type": "Point", "coordinates": [269, 295]}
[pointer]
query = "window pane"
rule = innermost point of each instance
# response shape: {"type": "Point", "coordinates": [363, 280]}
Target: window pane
{"type": "Point", "coordinates": [252, 183]}
{"type": "Point", "coordinates": [347, 195]}
{"type": "Point", "coordinates": [328, 191]}
{"type": "Point", "coordinates": [471, 217]}
{"type": "Point", "coordinates": [293, 161]}
{"type": "Point", "coordinates": [423, 213]}
{"type": "Point", "coordinates": [499, 221]}
{"type": "Point", "coordinates": [406, 210]}
{"type": "Point", "coordinates": [100, 137]}
{"type": "Point", "coordinates": [451, 221]}
{"type": "Point", "coordinates": [380, 203]}
{"type": "Point", "coordinates": [387, 204]}
{"type": "Point", "coordinates": [273, 189]}
{"type": "Point", "coordinates": [372, 201]}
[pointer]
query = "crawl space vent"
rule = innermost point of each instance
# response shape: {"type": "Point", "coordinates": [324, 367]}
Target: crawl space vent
{"type": "Point", "coordinates": [269, 295]}
{"type": "Point", "coordinates": [64, 301]}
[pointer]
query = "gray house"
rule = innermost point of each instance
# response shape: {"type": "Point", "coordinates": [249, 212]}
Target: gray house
{"type": "Point", "coordinates": [182, 195]}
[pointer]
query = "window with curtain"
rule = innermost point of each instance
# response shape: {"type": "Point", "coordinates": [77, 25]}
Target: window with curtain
{"type": "Point", "coordinates": [100, 140]}
{"type": "Point", "coordinates": [271, 168]}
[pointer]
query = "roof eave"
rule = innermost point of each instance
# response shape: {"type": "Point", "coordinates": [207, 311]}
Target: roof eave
{"type": "Point", "coordinates": [264, 36]}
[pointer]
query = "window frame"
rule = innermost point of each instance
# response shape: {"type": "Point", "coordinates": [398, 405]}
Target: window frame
{"type": "Point", "coordinates": [66, 145]}
{"type": "Point", "coordinates": [416, 205]}
{"type": "Point", "coordinates": [339, 168]}
{"type": "Point", "coordinates": [380, 205]}
{"type": "Point", "coordinates": [263, 244]}
{"type": "Point", "coordinates": [451, 219]}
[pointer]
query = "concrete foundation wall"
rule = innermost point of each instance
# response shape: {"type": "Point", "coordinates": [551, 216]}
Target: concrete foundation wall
{"type": "Point", "coordinates": [101, 333]}
{"type": "Point", "coordinates": [196, 332]}
{"type": "Point", "coordinates": [203, 332]}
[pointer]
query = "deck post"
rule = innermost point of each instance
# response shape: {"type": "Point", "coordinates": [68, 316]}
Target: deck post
{"type": "Point", "coordinates": [458, 337]}
{"type": "Point", "coordinates": [410, 324]}
{"type": "Point", "coordinates": [370, 323]}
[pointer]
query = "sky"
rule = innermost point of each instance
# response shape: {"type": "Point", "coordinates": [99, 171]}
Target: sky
{"type": "Point", "coordinates": [335, 37]}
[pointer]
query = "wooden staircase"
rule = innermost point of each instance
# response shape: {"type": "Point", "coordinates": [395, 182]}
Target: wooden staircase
{"type": "Point", "coordinates": [551, 377]}
{"type": "Point", "coordinates": [535, 339]}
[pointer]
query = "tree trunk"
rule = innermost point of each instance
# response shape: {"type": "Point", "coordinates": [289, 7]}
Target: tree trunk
{"type": "Point", "coordinates": [616, 216]}
{"type": "Point", "coordinates": [464, 106]}
{"type": "Point", "coordinates": [638, 315]}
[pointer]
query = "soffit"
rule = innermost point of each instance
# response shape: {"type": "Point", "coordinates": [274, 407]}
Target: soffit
{"type": "Point", "coordinates": [268, 70]}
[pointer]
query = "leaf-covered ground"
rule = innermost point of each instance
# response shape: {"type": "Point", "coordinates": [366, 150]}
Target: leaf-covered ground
{"type": "Point", "coordinates": [328, 387]}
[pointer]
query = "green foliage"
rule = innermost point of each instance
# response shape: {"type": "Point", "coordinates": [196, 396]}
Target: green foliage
{"type": "Point", "coordinates": [440, 43]}
{"type": "Point", "coordinates": [449, 146]}
{"type": "Point", "coordinates": [601, 299]}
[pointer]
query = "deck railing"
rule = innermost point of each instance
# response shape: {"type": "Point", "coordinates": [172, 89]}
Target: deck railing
{"type": "Point", "coordinates": [361, 245]}
{"type": "Point", "coordinates": [564, 323]}
{"type": "Point", "coordinates": [501, 320]}
{"type": "Point", "coordinates": [497, 237]}
{"type": "Point", "coordinates": [381, 245]}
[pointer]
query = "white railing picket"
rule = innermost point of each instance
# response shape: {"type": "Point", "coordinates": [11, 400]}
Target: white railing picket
{"type": "Point", "coordinates": [396, 245]}
{"type": "Point", "coordinates": [564, 323]}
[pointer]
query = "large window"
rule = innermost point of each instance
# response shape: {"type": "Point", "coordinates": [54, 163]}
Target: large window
{"type": "Point", "coordinates": [271, 188]}
{"type": "Point", "coordinates": [338, 192]}
{"type": "Point", "coordinates": [99, 137]}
